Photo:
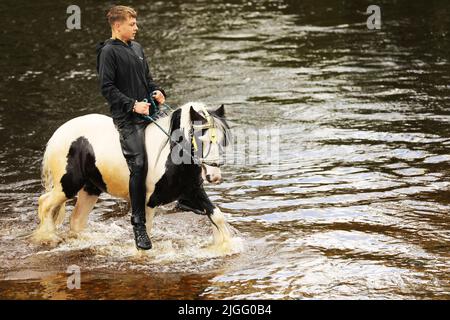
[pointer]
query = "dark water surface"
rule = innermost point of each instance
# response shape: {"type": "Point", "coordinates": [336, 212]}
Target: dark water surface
{"type": "Point", "coordinates": [358, 206]}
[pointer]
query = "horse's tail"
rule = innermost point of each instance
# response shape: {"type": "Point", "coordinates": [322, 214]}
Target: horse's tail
{"type": "Point", "coordinates": [46, 174]}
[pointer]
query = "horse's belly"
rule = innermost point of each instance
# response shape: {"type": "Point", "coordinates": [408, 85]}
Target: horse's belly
{"type": "Point", "coordinates": [116, 179]}
{"type": "Point", "coordinates": [114, 170]}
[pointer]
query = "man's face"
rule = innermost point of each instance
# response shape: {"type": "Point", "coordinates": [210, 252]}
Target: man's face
{"type": "Point", "coordinates": [127, 29]}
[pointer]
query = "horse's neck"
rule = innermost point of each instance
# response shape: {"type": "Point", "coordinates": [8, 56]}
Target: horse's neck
{"type": "Point", "coordinates": [157, 142]}
{"type": "Point", "coordinates": [159, 148]}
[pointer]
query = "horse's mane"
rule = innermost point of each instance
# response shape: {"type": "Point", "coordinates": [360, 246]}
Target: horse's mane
{"type": "Point", "coordinates": [175, 118]}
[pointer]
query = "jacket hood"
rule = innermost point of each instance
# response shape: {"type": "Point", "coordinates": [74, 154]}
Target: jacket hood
{"type": "Point", "coordinates": [101, 45]}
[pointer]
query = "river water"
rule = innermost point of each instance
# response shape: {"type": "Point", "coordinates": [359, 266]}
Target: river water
{"type": "Point", "coordinates": [356, 205]}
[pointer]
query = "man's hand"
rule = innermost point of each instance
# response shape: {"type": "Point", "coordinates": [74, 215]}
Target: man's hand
{"type": "Point", "coordinates": [141, 108]}
{"type": "Point", "coordinates": [158, 96]}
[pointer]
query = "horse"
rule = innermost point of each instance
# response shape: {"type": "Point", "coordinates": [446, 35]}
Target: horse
{"type": "Point", "coordinates": [83, 158]}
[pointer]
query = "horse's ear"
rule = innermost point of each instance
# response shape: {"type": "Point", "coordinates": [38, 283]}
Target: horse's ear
{"type": "Point", "coordinates": [195, 116]}
{"type": "Point", "coordinates": [220, 112]}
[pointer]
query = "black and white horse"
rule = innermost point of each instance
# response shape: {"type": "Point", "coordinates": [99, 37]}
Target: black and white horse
{"type": "Point", "coordinates": [83, 158]}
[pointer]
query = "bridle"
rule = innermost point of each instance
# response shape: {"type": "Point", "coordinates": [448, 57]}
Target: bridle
{"type": "Point", "coordinates": [209, 125]}
{"type": "Point", "coordinates": [212, 130]}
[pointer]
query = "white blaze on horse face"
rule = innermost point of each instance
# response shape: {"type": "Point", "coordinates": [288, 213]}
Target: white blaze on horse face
{"type": "Point", "coordinates": [211, 154]}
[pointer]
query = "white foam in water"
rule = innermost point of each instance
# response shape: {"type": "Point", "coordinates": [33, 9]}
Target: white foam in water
{"type": "Point", "coordinates": [234, 246]}
{"type": "Point", "coordinates": [183, 240]}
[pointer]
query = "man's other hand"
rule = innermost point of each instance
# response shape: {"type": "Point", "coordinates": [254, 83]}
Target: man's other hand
{"type": "Point", "coordinates": [141, 108]}
{"type": "Point", "coordinates": [158, 96]}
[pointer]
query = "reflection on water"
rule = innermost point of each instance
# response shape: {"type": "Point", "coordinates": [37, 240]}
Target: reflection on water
{"type": "Point", "coordinates": [358, 205]}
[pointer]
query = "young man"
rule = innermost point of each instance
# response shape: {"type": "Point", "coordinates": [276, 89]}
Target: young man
{"type": "Point", "coordinates": [125, 81]}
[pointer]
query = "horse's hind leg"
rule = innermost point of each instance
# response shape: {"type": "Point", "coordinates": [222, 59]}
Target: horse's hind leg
{"type": "Point", "coordinates": [85, 204]}
{"type": "Point", "coordinates": [60, 214]}
{"type": "Point", "coordinates": [49, 207]}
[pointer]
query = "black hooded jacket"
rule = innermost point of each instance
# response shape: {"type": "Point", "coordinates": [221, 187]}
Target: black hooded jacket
{"type": "Point", "coordinates": [124, 78]}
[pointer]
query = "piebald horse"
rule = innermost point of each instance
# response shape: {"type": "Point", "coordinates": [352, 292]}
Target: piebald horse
{"type": "Point", "coordinates": [83, 158]}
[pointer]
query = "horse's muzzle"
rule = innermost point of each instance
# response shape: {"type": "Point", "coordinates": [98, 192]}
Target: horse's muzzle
{"type": "Point", "coordinates": [216, 179]}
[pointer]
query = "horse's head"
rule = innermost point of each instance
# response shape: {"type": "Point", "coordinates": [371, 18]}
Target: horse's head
{"type": "Point", "coordinates": [211, 134]}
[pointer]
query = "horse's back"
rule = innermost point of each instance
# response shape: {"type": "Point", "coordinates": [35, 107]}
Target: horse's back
{"type": "Point", "coordinates": [83, 125]}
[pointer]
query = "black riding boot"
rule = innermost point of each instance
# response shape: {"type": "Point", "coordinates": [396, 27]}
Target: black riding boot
{"type": "Point", "coordinates": [133, 148]}
{"type": "Point", "coordinates": [137, 195]}
{"type": "Point", "coordinates": [141, 237]}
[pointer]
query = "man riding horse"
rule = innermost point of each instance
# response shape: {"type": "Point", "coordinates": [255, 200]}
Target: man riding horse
{"type": "Point", "coordinates": [125, 82]}
{"type": "Point", "coordinates": [127, 158]}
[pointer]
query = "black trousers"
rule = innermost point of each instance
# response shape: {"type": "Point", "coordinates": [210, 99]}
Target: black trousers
{"type": "Point", "coordinates": [132, 141]}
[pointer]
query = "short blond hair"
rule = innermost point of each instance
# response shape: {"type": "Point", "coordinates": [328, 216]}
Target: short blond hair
{"type": "Point", "coordinates": [120, 14]}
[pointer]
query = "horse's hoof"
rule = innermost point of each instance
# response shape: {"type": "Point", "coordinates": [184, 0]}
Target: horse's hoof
{"type": "Point", "coordinates": [49, 239]}
{"type": "Point", "coordinates": [73, 235]}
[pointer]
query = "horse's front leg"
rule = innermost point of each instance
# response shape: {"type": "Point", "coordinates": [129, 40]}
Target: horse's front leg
{"type": "Point", "coordinates": [149, 212]}
{"type": "Point", "coordinates": [221, 232]}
